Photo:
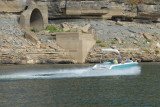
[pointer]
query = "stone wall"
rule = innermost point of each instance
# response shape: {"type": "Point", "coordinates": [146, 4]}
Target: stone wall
{"type": "Point", "coordinates": [106, 9]}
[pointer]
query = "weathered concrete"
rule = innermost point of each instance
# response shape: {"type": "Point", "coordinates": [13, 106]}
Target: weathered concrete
{"type": "Point", "coordinates": [77, 44]}
{"type": "Point", "coordinates": [35, 17]}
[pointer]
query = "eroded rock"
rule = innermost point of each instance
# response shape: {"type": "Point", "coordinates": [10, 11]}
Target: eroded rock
{"type": "Point", "coordinates": [118, 39]}
{"type": "Point", "coordinates": [147, 36]}
{"type": "Point", "coordinates": [86, 28]}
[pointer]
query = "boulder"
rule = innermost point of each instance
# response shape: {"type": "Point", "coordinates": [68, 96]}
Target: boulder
{"type": "Point", "coordinates": [66, 27]}
{"type": "Point", "coordinates": [44, 46]}
{"type": "Point", "coordinates": [158, 44]}
{"type": "Point", "coordinates": [118, 39]}
{"type": "Point", "coordinates": [44, 32]}
{"type": "Point", "coordinates": [119, 23]}
{"type": "Point", "coordinates": [85, 28]}
{"type": "Point", "coordinates": [135, 42]}
{"type": "Point", "coordinates": [114, 47]}
{"type": "Point", "coordinates": [147, 36]}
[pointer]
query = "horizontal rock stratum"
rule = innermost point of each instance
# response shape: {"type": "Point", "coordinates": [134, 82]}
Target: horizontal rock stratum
{"type": "Point", "coordinates": [87, 9]}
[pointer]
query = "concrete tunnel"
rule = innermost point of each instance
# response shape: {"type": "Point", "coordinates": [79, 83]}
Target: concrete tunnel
{"type": "Point", "coordinates": [35, 17]}
{"type": "Point", "coordinates": [36, 20]}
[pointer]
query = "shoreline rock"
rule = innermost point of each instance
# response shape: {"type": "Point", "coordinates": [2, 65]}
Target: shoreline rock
{"type": "Point", "coordinates": [133, 43]}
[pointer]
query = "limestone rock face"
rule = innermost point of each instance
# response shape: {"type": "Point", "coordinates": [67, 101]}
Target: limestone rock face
{"type": "Point", "coordinates": [86, 9]}
{"type": "Point", "coordinates": [100, 9]}
{"type": "Point", "coordinates": [148, 10]}
{"type": "Point", "coordinates": [12, 5]}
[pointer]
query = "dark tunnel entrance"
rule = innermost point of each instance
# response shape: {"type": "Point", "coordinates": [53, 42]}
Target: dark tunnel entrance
{"type": "Point", "coordinates": [36, 20]}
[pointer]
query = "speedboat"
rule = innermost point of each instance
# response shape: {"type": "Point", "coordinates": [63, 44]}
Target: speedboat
{"type": "Point", "coordinates": [112, 65]}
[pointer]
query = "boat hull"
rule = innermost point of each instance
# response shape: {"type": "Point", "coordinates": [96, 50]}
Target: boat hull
{"type": "Point", "coordinates": [108, 65]}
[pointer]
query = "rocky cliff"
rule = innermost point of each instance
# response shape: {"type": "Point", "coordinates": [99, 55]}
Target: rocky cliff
{"type": "Point", "coordinates": [106, 9]}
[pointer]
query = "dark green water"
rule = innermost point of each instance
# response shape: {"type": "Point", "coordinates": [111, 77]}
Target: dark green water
{"type": "Point", "coordinates": [19, 88]}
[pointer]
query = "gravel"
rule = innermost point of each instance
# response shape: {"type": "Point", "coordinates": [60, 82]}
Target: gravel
{"type": "Point", "coordinates": [107, 28]}
{"type": "Point", "coordinates": [11, 33]}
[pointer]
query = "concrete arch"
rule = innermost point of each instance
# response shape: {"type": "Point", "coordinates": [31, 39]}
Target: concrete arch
{"type": "Point", "coordinates": [36, 17]}
{"type": "Point", "coordinates": [36, 20]}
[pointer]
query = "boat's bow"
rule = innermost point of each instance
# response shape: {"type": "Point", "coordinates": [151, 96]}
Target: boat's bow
{"type": "Point", "coordinates": [110, 66]}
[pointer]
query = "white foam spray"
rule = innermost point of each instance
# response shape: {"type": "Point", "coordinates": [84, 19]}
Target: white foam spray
{"type": "Point", "coordinates": [72, 73]}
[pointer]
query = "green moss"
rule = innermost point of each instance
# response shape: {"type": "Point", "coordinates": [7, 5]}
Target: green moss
{"type": "Point", "coordinates": [113, 42]}
{"type": "Point", "coordinates": [50, 38]}
{"type": "Point", "coordinates": [60, 28]}
{"type": "Point", "coordinates": [20, 54]}
{"type": "Point", "coordinates": [132, 38]}
{"type": "Point", "coordinates": [156, 52]}
{"type": "Point", "coordinates": [148, 40]}
{"type": "Point", "coordinates": [68, 31]}
{"type": "Point", "coordinates": [122, 41]}
{"type": "Point", "coordinates": [98, 41]}
{"type": "Point", "coordinates": [41, 40]}
{"type": "Point", "coordinates": [33, 30]}
{"type": "Point", "coordinates": [144, 43]}
{"type": "Point", "coordinates": [146, 50]}
{"type": "Point", "coordinates": [53, 29]}
{"type": "Point", "coordinates": [103, 45]}
{"type": "Point", "coordinates": [74, 31]}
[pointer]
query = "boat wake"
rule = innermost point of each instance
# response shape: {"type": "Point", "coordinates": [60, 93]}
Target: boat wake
{"type": "Point", "coordinates": [70, 73]}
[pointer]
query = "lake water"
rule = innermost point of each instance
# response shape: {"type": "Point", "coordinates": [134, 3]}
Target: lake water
{"type": "Point", "coordinates": [79, 86]}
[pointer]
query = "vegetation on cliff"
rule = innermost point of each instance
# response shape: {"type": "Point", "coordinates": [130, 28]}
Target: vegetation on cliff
{"type": "Point", "coordinates": [53, 29]}
{"type": "Point", "coordinates": [135, 3]}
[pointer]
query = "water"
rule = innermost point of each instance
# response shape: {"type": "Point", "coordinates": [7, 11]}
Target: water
{"type": "Point", "coordinates": [77, 86]}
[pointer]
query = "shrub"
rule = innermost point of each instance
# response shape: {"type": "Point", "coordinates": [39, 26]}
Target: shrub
{"type": "Point", "coordinates": [98, 41]}
{"type": "Point", "coordinates": [68, 31]}
{"type": "Point", "coordinates": [113, 42]}
{"type": "Point", "coordinates": [33, 30]}
{"type": "Point", "coordinates": [146, 50]}
{"type": "Point", "coordinates": [103, 45]}
{"type": "Point", "coordinates": [50, 38]}
{"type": "Point", "coordinates": [122, 41]}
{"type": "Point", "coordinates": [134, 3]}
{"type": "Point", "coordinates": [156, 52]}
{"type": "Point", "coordinates": [53, 29]}
{"type": "Point", "coordinates": [148, 40]}
{"type": "Point", "coordinates": [60, 28]}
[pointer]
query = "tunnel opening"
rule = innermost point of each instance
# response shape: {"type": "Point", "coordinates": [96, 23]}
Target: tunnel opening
{"type": "Point", "coordinates": [36, 20]}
